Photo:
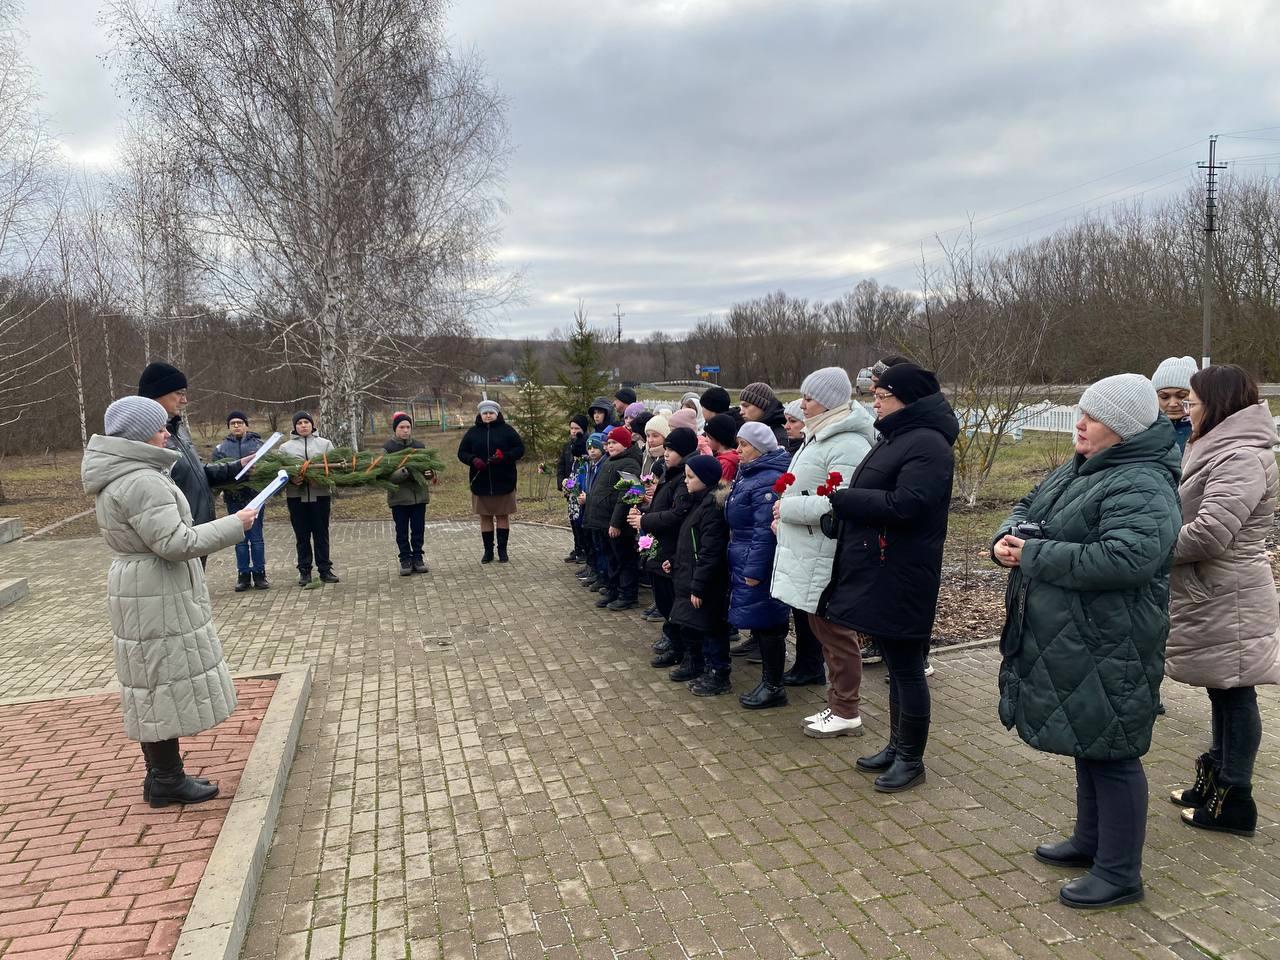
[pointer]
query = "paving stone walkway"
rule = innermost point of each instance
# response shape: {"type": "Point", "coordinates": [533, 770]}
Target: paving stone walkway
{"type": "Point", "coordinates": [88, 871]}
{"type": "Point", "coordinates": [489, 769]}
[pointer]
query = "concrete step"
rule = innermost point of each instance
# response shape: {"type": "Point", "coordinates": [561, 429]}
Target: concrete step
{"type": "Point", "coordinates": [11, 591]}
{"type": "Point", "coordinates": [10, 529]}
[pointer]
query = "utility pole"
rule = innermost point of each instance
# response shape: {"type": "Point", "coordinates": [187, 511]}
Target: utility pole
{"type": "Point", "coordinates": [1210, 226]}
{"type": "Point", "coordinates": [617, 312]}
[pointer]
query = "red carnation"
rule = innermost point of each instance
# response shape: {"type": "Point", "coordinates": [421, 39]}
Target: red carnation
{"type": "Point", "coordinates": [822, 490]}
{"type": "Point", "coordinates": [834, 479]}
{"type": "Point", "coordinates": [497, 454]}
{"type": "Point", "coordinates": [780, 485]}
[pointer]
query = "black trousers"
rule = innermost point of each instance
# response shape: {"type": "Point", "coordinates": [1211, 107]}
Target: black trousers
{"type": "Point", "coordinates": [1111, 817]}
{"type": "Point", "coordinates": [1237, 734]}
{"type": "Point", "coordinates": [808, 649]}
{"type": "Point", "coordinates": [410, 522]}
{"type": "Point", "coordinates": [165, 756]}
{"type": "Point", "coordinates": [908, 686]}
{"type": "Point", "coordinates": [310, 523]}
{"type": "Point", "coordinates": [626, 562]}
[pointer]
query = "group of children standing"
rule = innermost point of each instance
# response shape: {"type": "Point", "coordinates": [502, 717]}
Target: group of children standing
{"type": "Point", "coordinates": [653, 499]}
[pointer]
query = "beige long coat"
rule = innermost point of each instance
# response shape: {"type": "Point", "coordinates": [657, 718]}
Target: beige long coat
{"type": "Point", "coordinates": [174, 681]}
{"type": "Point", "coordinates": [1223, 614]}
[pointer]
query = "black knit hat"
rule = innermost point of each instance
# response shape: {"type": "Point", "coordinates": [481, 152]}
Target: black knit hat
{"type": "Point", "coordinates": [639, 422]}
{"type": "Point", "coordinates": [303, 415]}
{"type": "Point", "coordinates": [716, 400]}
{"type": "Point", "coordinates": [723, 429]}
{"type": "Point", "coordinates": [160, 378]}
{"type": "Point", "coordinates": [237, 415]}
{"type": "Point", "coordinates": [581, 421]}
{"type": "Point", "coordinates": [707, 469]}
{"type": "Point", "coordinates": [908, 382]}
{"type": "Point", "coordinates": [396, 419]}
{"type": "Point", "coordinates": [682, 440]}
{"type": "Point", "coordinates": [626, 395]}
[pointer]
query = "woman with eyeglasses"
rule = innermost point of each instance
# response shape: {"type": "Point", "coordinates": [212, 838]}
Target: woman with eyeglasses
{"type": "Point", "coordinates": [1223, 613]}
{"type": "Point", "coordinates": [1172, 381]}
{"type": "Point", "coordinates": [892, 525]}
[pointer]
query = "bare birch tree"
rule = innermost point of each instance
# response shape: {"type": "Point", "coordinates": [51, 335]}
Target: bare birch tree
{"type": "Point", "coordinates": [347, 163]}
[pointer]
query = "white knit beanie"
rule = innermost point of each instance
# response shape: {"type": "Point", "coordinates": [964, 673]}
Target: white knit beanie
{"type": "Point", "coordinates": [830, 386]}
{"type": "Point", "coordinates": [135, 418]}
{"type": "Point", "coordinates": [1127, 403]}
{"type": "Point", "coordinates": [658, 425]}
{"type": "Point", "coordinates": [795, 410]}
{"type": "Point", "coordinates": [758, 435]}
{"type": "Point", "coordinates": [1175, 373]}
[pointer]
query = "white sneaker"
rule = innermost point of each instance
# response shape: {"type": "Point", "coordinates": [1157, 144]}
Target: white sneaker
{"type": "Point", "coordinates": [928, 669]}
{"type": "Point", "coordinates": [829, 725]}
{"type": "Point", "coordinates": [814, 717]}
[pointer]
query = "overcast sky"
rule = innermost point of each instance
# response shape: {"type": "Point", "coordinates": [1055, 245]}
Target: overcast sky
{"type": "Point", "coordinates": [677, 155]}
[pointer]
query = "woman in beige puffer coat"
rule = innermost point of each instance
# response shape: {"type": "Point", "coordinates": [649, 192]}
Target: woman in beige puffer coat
{"type": "Point", "coordinates": [1223, 614]}
{"type": "Point", "coordinates": [174, 681]}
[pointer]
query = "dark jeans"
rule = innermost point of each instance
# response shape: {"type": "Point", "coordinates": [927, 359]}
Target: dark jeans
{"type": "Point", "coordinates": [311, 527]}
{"type": "Point", "coordinates": [714, 643]}
{"type": "Point", "coordinates": [603, 559]}
{"type": "Point", "coordinates": [410, 521]}
{"type": "Point", "coordinates": [1237, 734]}
{"type": "Point", "coordinates": [808, 650]}
{"type": "Point", "coordinates": [1111, 818]}
{"type": "Point", "coordinates": [250, 554]}
{"type": "Point", "coordinates": [908, 685]}
{"type": "Point", "coordinates": [626, 563]}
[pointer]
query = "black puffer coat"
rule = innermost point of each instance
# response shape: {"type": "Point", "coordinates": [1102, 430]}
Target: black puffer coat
{"type": "Point", "coordinates": [1088, 608]}
{"type": "Point", "coordinates": [892, 524]}
{"type": "Point", "coordinates": [604, 507]}
{"type": "Point", "coordinates": [666, 511]}
{"type": "Point", "coordinates": [701, 565]}
{"type": "Point", "coordinates": [484, 440]}
{"type": "Point", "coordinates": [196, 480]}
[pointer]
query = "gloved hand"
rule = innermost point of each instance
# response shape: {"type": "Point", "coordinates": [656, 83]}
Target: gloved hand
{"type": "Point", "coordinates": [478, 463]}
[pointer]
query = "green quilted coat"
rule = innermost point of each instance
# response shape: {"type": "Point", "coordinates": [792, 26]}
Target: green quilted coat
{"type": "Point", "coordinates": [1087, 612]}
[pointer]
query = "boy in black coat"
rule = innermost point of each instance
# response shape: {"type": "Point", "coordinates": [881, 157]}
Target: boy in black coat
{"type": "Point", "coordinates": [606, 511]}
{"type": "Point", "coordinates": [700, 575]}
{"type": "Point", "coordinates": [566, 467]}
{"type": "Point", "coordinates": [661, 520]}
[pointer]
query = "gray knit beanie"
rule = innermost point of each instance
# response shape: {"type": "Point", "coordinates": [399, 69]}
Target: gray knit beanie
{"type": "Point", "coordinates": [488, 405]}
{"type": "Point", "coordinates": [830, 386]}
{"type": "Point", "coordinates": [795, 410]}
{"type": "Point", "coordinates": [1127, 403]}
{"type": "Point", "coordinates": [135, 418]}
{"type": "Point", "coordinates": [1175, 373]}
{"type": "Point", "coordinates": [759, 436]}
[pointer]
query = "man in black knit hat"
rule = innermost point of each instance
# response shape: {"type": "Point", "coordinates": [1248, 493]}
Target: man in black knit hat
{"type": "Point", "coordinates": [167, 385]}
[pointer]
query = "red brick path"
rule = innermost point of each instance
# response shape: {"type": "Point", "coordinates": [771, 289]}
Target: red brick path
{"type": "Point", "coordinates": [87, 870]}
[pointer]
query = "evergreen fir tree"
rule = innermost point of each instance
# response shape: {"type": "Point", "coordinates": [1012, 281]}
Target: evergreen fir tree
{"type": "Point", "coordinates": [534, 414]}
{"type": "Point", "coordinates": [580, 365]}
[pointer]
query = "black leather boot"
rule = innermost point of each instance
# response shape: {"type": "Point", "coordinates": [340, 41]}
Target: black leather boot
{"type": "Point", "coordinates": [884, 759]}
{"type": "Point", "coordinates": [504, 535]}
{"type": "Point", "coordinates": [769, 692]}
{"type": "Point", "coordinates": [260, 581]}
{"type": "Point", "coordinates": [243, 582]}
{"type": "Point", "coordinates": [1229, 810]}
{"type": "Point", "coordinates": [907, 768]}
{"type": "Point", "coordinates": [151, 773]}
{"type": "Point", "coordinates": [170, 783]}
{"type": "Point", "coordinates": [487, 537]}
{"type": "Point", "coordinates": [1198, 794]}
{"type": "Point", "coordinates": [669, 656]}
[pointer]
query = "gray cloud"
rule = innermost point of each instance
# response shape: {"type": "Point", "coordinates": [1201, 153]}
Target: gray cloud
{"type": "Point", "coordinates": [676, 155]}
